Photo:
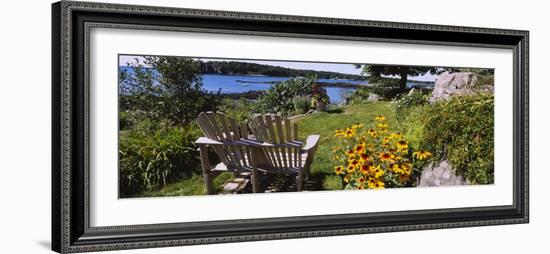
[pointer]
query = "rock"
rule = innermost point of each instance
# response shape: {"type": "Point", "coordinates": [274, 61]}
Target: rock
{"type": "Point", "coordinates": [236, 185]}
{"type": "Point", "coordinates": [230, 187]}
{"type": "Point", "coordinates": [460, 83]}
{"type": "Point", "coordinates": [441, 174]}
{"type": "Point", "coordinates": [373, 97]}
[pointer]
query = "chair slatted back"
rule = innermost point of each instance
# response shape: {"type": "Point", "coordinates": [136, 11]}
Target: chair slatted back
{"type": "Point", "coordinates": [280, 132]}
{"type": "Point", "coordinates": [218, 127]}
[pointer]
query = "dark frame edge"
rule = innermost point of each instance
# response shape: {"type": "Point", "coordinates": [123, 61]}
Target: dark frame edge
{"type": "Point", "coordinates": [56, 90]}
{"type": "Point", "coordinates": [76, 240]}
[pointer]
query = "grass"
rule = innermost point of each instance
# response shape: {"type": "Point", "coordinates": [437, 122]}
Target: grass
{"type": "Point", "coordinates": [188, 187]}
{"type": "Point", "coordinates": [325, 123]}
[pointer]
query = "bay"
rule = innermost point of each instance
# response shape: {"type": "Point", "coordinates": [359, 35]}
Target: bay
{"type": "Point", "coordinates": [244, 83]}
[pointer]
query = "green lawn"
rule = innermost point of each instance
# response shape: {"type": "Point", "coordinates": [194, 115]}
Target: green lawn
{"type": "Point", "coordinates": [188, 187]}
{"type": "Point", "coordinates": [323, 124]}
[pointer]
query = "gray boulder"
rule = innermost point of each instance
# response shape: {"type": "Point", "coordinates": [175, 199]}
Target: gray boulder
{"type": "Point", "coordinates": [459, 83]}
{"type": "Point", "coordinates": [373, 97]}
{"type": "Point", "coordinates": [440, 174]}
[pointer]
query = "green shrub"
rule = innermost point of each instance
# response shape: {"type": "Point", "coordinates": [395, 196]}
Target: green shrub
{"type": "Point", "coordinates": [462, 131]}
{"type": "Point", "coordinates": [301, 104]}
{"type": "Point", "coordinates": [279, 97]}
{"type": "Point", "coordinates": [359, 96]}
{"type": "Point", "coordinates": [319, 94]}
{"type": "Point", "coordinates": [386, 88]}
{"type": "Point", "coordinates": [148, 158]}
{"type": "Point", "coordinates": [333, 182]}
{"type": "Point", "coordinates": [484, 80]}
{"type": "Point", "coordinates": [240, 110]}
{"type": "Point", "coordinates": [413, 125]}
{"type": "Point", "coordinates": [408, 102]}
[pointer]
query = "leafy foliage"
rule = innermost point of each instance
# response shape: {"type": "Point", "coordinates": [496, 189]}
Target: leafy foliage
{"type": "Point", "coordinates": [484, 80]}
{"type": "Point", "coordinates": [408, 102]}
{"type": "Point", "coordinates": [151, 155]}
{"type": "Point", "coordinates": [375, 158]}
{"type": "Point", "coordinates": [359, 96]}
{"type": "Point", "coordinates": [241, 109]}
{"type": "Point", "coordinates": [377, 71]}
{"type": "Point", "coordinates": [166, 87]}
{"type": "Point", "coordinates": [462, 130]}
{"type": "Point", "coordinates": [279, 97]}
{"type": "Point", "coordinates": [386, 88]}
{"type": "Point", "coordinates": [301, 104]}
{"type": "Point", "coordinates": [319, 94]}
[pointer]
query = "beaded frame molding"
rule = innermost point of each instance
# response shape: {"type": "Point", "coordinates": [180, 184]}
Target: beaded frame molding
{"type": "Point", "coordinates": [71, 23]}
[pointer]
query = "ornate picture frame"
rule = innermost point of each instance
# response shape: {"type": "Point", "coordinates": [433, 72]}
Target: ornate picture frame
{"type": "Point", "coordinates": [71, 24]}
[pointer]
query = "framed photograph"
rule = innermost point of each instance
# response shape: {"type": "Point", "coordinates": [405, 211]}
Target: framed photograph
{"type": "Point", "coordinates": [182, 126]}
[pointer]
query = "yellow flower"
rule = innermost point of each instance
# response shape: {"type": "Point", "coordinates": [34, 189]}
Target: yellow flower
{"type": "Point", "coordinates": [371, 183]}
{"type": "Point", "coordinates": [372, 132]}
{"type": "Point", "coordinates": [354, 163]}
{"type": "Point", "coordinates": [351, 152]}
{"type": "Point", "coordinates": [363, 157]}
{"type": "Point", "coordinates": [407, 168]}
{"type": "Point", "coordinates": [385, 156]}
{"type": "Point", "coordinates": [364, 169]}
{"type": "Point", "coordinates": [422, 154]}
{"type": "Point", "coordinates": [339, 170]}
{"type": "Point", "coordinates": [361, 180]}
{"type": "Point", "coordinates": [359, 148]}
{"type": "Point", "coordinates": [397, 135]}
{"type": "Point", "coordinates": [379, 185]}
{"type": "Point", "coordinates": [357, 125]}
{"type": "Point", "coordinates": [347, 178]}
{"type": "Point", "coordinates": [351, 169]}
{"type": "Point", "coordinates": [336, 157]}
{"type": "Point", "coordinates": [380, 118]}
{"type": "Point", "coordinates": [382, 125]}
{"type": "Point", "coordinates": [378, 172]}
{"type": "Point", "coordinates": [397, 169]}
{"type": "Point", "coordinates": [361, 187]}
{"type": "Point", "coordinates": [402, 145]}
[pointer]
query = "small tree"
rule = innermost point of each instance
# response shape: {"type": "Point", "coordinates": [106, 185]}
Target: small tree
{"type": "Point", "coordinates": [377, 71]}
{"type": "Point", "coordinates": [169, 87]}
{"type": "Point", "coordinates": [279, 97]}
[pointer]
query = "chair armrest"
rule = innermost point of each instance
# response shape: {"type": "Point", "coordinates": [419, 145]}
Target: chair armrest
{"type": "Point", "coordinates": [256, 143]}
{"type": "Point", "coordinates": [207, 141]}
{"type": "Point", "coordinates": [311, 142]}
{"type": "Point", "coordinates": [211, 142]}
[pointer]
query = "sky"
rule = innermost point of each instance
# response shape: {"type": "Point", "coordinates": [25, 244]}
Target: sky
{"type": "Point", "coordinates": [334, 67]}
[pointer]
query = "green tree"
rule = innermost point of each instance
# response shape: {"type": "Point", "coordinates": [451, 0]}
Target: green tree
{"type": "Point", "coordinates": [279, 97]}
{"type": "Point", "coordinates": [169, 88]}
{"type": "Point", "coordinates": [377, 71]}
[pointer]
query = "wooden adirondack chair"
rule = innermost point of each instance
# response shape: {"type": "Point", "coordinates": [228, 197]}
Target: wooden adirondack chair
{"type": "Point", "coordinates": [281, 149]}
{"type": "Point", "coordinates": [227, 138]}
{"type": "Point", "coordinates": [241, 154]}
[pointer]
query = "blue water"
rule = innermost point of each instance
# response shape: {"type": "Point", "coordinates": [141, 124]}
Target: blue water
{"type": "Point", "coordinates": [230, 84]}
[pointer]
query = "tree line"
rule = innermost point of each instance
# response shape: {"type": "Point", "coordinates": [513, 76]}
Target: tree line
{"type": "Point", "coordinates": [244, 68]}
